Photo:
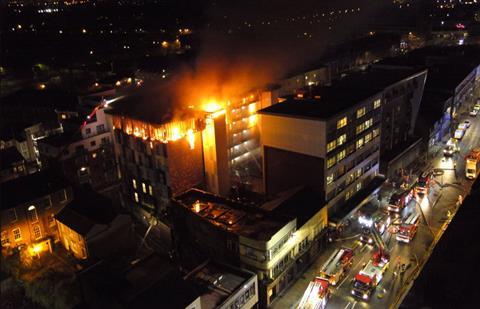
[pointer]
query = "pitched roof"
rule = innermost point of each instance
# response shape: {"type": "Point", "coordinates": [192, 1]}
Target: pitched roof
{"type": "Point", "coordinates": [30, 187]}
{"type": "Point", "coordinates": [87, 209]}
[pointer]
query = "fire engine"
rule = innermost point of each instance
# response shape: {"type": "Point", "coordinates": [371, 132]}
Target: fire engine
{"type": "Point", "coordinates": [337, 265]}
{"type": "Point", "coordinates": [408, 229]}
{"type": "Point", "coordinates": [366, 281]}
{"type": "Point", "coordinates": [316, 295]}
{"type": "Point", "coordinates": [399, 200]}
{"type": "Point", "coordinates": [423, 184]}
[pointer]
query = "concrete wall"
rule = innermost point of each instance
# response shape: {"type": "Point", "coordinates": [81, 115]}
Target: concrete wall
{"type": "Point", "coordinates": [304, 136]}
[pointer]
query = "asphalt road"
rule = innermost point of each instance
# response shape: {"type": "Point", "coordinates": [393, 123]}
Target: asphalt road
{"type": "Point", "coordinates": [438, 208]}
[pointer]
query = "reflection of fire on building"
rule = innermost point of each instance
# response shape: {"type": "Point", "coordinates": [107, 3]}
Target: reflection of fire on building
{"type": "Point", "coordinates": [244, 137]}
{"type": "Point", "coordinates": [162, 153]}
{"type": "Point", "coordinates": [157, 158]}
{"type": "Point", "coordinates": [27, 209]}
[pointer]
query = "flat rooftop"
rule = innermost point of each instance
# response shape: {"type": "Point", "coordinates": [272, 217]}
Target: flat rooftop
{"type": "Point", "coordinates": [233, 217]}
{"type": "Point", "coordinates": [151, 106]}
{"type": "Point", "coordinates": [220, 281]}
{"type": "Point", "coordinates": [326, 102]}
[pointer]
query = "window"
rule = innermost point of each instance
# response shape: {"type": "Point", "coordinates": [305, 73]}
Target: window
{"type": "Point", "coordinates": [376, 132]}
{"type": "Point", "coordinates": [331, 145]}
{"type": "Point", "coordinates": [377, 103]}
{"type": "Point", "coordinates": [348, 195]}
{"type": "Point", "coordinates": [100, 128]}
{"type": "Point", "coordinates": [17, 235]}
{"type": "Point", "coordinates": [36, 232]}
{"type": "Point", "coordinates": [330, 162]}
{"type": "Point", "coordinates": [134, 183]}
{"type": "Point", "coordinates": [12, 215]}
{"type": "Point", "coordinates": [368, 137]}
{"type": "Point", "coordinates": [144, 187]}
{"type": "Point", "coordinates": [341, 139]}
{"type": "Point", "coordinates": [32, 214]}
{"type": "Point", "coordinates": [360, 112]}
{"type": "Point", "coordinates": [135, 195]}
{"type": "Point", "coordinates": [341, 155]}
{"type": "Point", "coordinates": [330, 178]}
{"type": "Point", "coordinates": [150, 190]}
{"type": "Point", "coordinates": [359, 143]}
{"type": "Point", "coordinates": [358, 173]}
{"type": "Point", "coordinates": [368, 123]}
{"type": "Point", "coordinates": [93, 143]}
{"type": "Point", "coordinates": [360, 128]}
{"type": "Point", "coordinates": [341, 123]}
{"type": "Point", "coordinates": [88, 131]}
{"type": "Point", "coordinates": [5, 241]}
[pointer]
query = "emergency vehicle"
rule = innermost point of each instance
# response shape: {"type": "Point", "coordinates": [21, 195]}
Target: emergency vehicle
{"type": "Point", "coordinates": [423, 184]}
{"type": "Point", "coordinates": [399, 200]}
{"type": "Point", "coordinates": [408, 228]}
{"type": "Point", "coordinates": [337, 265]}
{"type": "Point", "coordinates": [316, 295]}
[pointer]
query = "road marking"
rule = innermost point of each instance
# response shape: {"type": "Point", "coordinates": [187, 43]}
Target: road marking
{"type": "Point", "coordinates": [354, 304]}
{"type": "Point", "coordinates": [348, 304]}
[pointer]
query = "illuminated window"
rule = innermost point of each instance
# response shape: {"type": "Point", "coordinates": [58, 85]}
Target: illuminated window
{"type": "Point", "coordinates": [5, 240]}
{"type": "Point", "coordinates": [368, 137]}
{"type": "Point", "coordinates": [144, 187]}
{"type": "Point", "coordinates": [36, 232]}
{"type": "Point", "coordinates": [348, 195]}
{"type": "Point", "coordinates": [150, 190]}
{"type": "Point", "coordinates": [17, 235]}
{"type": "Point", "coordinates": [360, 128]}
{"type": "Point", "coordinates": [377, 103]}
{"type": "Point", "coordinates": [376, 132]}
{"type": "Point", "coordinates": [341, 155]}
{"type": "Point", "coordinates": [359, 143]}
{"type": "Point", "coordinates": [330, 179]}
{"type": "Point", "coordinates": [359, 186]}
{"type": "Point", "coordinates": [360, 112]}
{"type": "Point", "coordinates": [32, 214]}
{"type": "Point", "coordinates": [368, 123]}
{"type": "Point", "coordinates": [331, 145]}
{"type": "Point", "coordinates": [342, 122]}
{"type": "Point", "coordinates": [134, 183]}
{"type": "Point", "coordinates": [330, 162]}
{"type": "Point", "coordinates": [135, 195]}
{"type": "Point", "coordinates": [341, 139]}
{"type": "Point", "coordinates": [358, 173]}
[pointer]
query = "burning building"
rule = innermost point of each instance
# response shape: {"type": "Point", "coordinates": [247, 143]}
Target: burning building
{"type": "Point", "coordinates": [158, 155]}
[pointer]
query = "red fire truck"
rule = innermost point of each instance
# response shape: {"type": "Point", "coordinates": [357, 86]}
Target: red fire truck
{"type": "Point", "coordinates": [408, 229]}
{"type": "Point", "coordinates": [337, 265]}
{"type": "Point", "coordinates": [316, 295]}
{"type": "Point", "coordinates": [423, 184]}
{"type": "Point", "coordinates": [399, 200]}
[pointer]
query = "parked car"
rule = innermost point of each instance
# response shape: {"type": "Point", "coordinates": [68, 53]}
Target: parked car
{"type": "Point", "coordinates": [473, 112]}
{"type": "Point", "coordinates": [459, 134]}
{"type": "Point", "coordinates": [467, 123]}
{"type": "Point", "coordinates": [462, 126]}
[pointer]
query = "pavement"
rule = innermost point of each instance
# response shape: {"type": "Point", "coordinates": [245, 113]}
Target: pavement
{"type": "Point", "coordinates": [436, 209]}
